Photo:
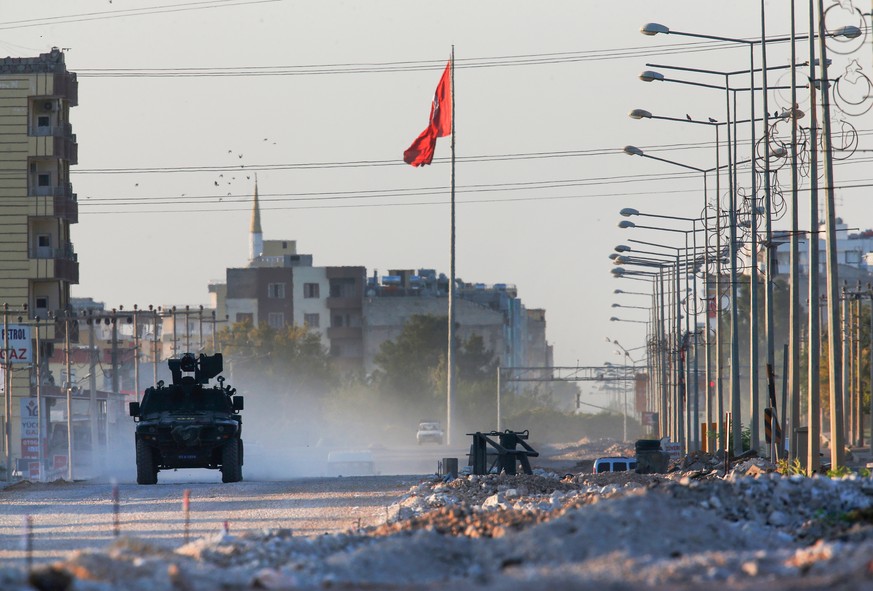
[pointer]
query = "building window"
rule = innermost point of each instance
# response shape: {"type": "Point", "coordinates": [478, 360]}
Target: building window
{"type": "Point", "coordinates": [42, 303]}
{"type": "Point", "coordinates": [276, 290]}
{"type": "Point", "coordinates": [43, 121]}
{"type": "Point", "coordinates": [44, 241]}
{"type": "Point", "coordinates": [43, 180]}
{"type": "Point", "coordinates": [245, 317]}
{"type": "Point", "coordinates": [276, 320]}
{"type": "Point", "coordinates": [343, 287]}
{"type": "Point", "coordinates": [310, 290]}
{"type": "Point", "coordinates": [311, 320]}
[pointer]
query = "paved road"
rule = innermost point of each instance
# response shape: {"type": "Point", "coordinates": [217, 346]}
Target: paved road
{"type": "Point", "coordinates": [70, 516]}
{"type": "Point", "coordinates": [295, 488]}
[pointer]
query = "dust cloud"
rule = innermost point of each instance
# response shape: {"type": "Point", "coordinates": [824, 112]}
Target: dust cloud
{"type": "Point", "coordinates": [290, 431]}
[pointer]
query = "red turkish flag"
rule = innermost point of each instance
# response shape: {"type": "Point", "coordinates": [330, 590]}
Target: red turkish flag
{"type": "Point", "coordinates": [440, 124]}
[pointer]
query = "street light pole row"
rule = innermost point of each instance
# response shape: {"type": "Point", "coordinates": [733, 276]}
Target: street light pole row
{"type": "Point", "coordinates": [833, 315]}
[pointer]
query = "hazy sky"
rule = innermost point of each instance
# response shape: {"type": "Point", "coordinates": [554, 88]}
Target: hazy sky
{"type": "Point", "coordinates": [334, 92]}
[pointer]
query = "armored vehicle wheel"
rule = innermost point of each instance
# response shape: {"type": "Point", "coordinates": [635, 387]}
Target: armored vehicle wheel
{"type": "Point", "coordinates": [231, 468]}
{"type": "Point", "coordinates": [146, 471]}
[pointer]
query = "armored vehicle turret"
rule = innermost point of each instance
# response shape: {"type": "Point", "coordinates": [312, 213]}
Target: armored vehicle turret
{"type": "Point", "coordinates": [189, 424]}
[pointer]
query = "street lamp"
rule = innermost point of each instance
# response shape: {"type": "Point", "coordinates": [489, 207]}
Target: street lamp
{"type": "Point", "coordinates": [667, 419]}
{"type": "Point", "coordinates": [634, 307]}
{"type": "Point", "coordinates": [627, 357]}
{"type": "Point", "coordinates": [628, 212]}
{"type": "Point", "coordinates": [681, 369]}
{"type": "Point", "coordinates": [649, 76]}
{"type": "Point", "coordinates": [652, 29]}
{"type": "Point", "coordinates": [615, 319]}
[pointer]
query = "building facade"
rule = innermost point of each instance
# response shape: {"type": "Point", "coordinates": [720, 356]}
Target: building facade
{"type": "Point", "coordinates": [854, 250]}
{"type": "Point", "coordinates": [37, 261]}
{"type": "Point", "coordinates": [514, 334]}
{"type": "Point", "coordinates": [38, 264]}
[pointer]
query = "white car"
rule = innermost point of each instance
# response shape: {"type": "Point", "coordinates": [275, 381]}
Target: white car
{"type": "Point", "coordinates": [429, 431]}
{"type": "Point", "coordinates": [615, 465]}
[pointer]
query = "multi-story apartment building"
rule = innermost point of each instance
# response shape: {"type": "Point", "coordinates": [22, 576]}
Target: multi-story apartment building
{"type": "Point", "coordinates": [38, 264]}
{"type": "Point", "coordinates": [37, 261]}
{"type": "Point", "coordinates": [854, 251]}
{"type": "Point", "coordinates": [280, 287]}
{"type": "Point", "coordinates": [515, 335]}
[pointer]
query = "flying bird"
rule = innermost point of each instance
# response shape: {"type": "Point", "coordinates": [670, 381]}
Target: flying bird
{"type": "Point", "coordinates": [239, 155]}
{"type": "Point", "coordinates": [216, 183]}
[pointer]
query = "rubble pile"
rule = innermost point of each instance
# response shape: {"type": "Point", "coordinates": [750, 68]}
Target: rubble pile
{"type": "Point", "coordinates": [693, 526]}
{"type": "Point", "coordinates": [800, 508]}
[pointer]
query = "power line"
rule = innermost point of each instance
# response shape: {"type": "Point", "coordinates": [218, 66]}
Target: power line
{"type": "Point", "coordinates": [404, 66]}
{"type": "Point", "coordinates": [399, 192]}
{"type": "Point", "coordinates": [363, 163]}
{"type": "Point", "coordinates": [270, 200]}
{"type": "Point", "coordinates": [42, 21]}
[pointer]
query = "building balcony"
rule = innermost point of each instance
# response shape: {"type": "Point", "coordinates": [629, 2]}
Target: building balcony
{"type": "Point", "coordinates": [53, 146]}
{"type": "Point", "coordinates": [345, 332]}
{"type": "Point", "coordinates": [57, 269]}
{"type": "Point", "coordinates": [65, 253]}
{"type": "Point", "coordinates": [54, 202]}
{"type": "Point", "coordinates": [352, 303]}
{"type": "Point", "coordinates": [66, 84]}
{"type": "Point", "coordinates": [54, 263]}
{"type": "Point", "coordinates": [64, 130]}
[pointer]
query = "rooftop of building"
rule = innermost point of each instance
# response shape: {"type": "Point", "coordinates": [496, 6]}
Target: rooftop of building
{"type": "Point", "coordinates": [46, 63]}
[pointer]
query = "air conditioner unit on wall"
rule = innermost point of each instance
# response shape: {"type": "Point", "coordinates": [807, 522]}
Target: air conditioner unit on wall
{"type": "Point", "coordinates": [49, 106]}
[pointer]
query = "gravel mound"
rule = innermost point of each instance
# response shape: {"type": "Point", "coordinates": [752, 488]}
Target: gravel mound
{"type": "Point", "coordinates": [749, 529]}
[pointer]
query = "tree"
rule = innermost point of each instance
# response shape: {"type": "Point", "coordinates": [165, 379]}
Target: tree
{"type": "Point", "coordinates": [412, 370]}
{"type": "Point", "coordinates": [406, 365]}
{"type": "Point", "coordinates": [286, 372]}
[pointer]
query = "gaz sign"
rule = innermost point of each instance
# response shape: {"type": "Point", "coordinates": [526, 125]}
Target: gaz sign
{"type": "Point", "coordinates": [19, 345]}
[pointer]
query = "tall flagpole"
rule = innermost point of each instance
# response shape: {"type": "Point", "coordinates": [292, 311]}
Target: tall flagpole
{"type": "Point", "coordinates": [450, 363]}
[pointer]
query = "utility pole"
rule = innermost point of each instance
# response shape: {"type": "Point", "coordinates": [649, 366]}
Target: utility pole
{"type": "Point", "coordinates": [7, 394]}
{"type": "Point", "coordinates": [69, 392]}
{"type": "Point", "coordinates": [92, 383]}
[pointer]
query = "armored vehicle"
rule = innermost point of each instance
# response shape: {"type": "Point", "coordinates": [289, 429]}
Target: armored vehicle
{"type": "Point", "coordinates": [189, 424]}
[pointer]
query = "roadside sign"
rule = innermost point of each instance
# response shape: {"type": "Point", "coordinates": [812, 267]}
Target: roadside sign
{"type": "Point", "coordinates": [20, 345]}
